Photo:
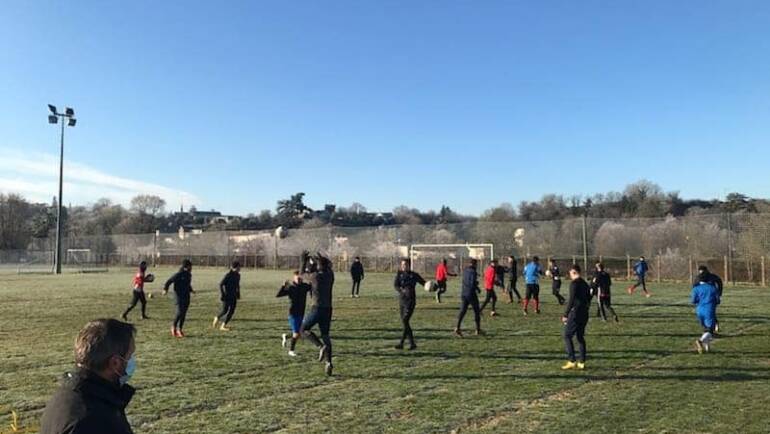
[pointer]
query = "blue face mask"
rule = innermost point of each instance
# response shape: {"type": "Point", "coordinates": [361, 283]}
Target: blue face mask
{"type": "Point", "coordinates": [130, 370]}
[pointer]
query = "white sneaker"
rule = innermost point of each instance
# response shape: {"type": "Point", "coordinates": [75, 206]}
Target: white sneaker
{"type": "Point", "coordinates": [292, 353]}
{"type": "Point", "coordinates": [283, 340]}
{"type": "Point", "coordinates": [706, 347]}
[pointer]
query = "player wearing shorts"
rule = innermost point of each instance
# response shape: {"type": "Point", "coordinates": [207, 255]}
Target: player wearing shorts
{"type": "Point", "coordinates": [297, 291]}
{"type": "Point", "coordinates": [705, 297]}
{"type": "Point", "coordinates": [707, 276]}
{"type": "Point", "coordinates": [532, 273]}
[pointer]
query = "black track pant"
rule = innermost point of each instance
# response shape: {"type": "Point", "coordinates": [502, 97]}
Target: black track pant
{"type": "Point", "coordinates": [555, 289]}
{"type": "Point", "coordinates": [440, 289]}
{"type": "Point", "coordinates": [491, 296]}
{"type": "Point", "coordinates": [472, 301]}
{"type": "Point", "coordinates": [512, 290]}
{"type": "Point", "coordinates": [406, 308]}
{"type": "Point", "coordinates": [323, 317]}
{"type": "Point", "coordinates": [182, 304]}
{"type": "Point", "coordinates": [137, 297]}
{"type": "Point", "coordinates": [640, 281]}
{"type": "Point", "coordinates": [356, 287]}
{"type": "Point", "coordinates": [605, 304]}
{"type": "Point", "coordinates": [576, 327]}
{"type": "Point", "coordinates": [228, 309]}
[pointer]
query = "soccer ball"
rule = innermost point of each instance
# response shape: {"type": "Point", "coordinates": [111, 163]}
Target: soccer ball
{"type": "Point", "coordinates": [149, 295]}
{"type": "Point", "coordinates": [430, 286]}
{"type": "Point", "coordinates": [149, 278]}
{"type": "Point", "coordinates": [548, 273]}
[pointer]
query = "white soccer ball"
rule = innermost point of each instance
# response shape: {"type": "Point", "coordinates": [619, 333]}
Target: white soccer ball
{"type": "Point", "coordinates": [548, 273]}
{"type": "Point", "coordinates": [430, 286]}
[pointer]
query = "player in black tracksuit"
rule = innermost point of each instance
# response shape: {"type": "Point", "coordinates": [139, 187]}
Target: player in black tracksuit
{"type": "Point", "coordinates": [229, 294]}
{"type": "Point", "coordinates": [319, 275]}
{"type": "Point", "coordinates": [601, 284]}
{"type": "Point", "coordinates": [297, 291]}
{"type": "Point", "coordinates": [469, 297]}
{"type": "Point", "coordinates": [182, 281]}
{"type": "Point", "coordinates": [704, 275]}
{"type": "Point", "coordinates": [556, 281]}
{"type": "Point", "coordinates": [357, 275]}
{"type": "Point", "coordinates": [575, 318]}
{"type": "Point", "coordinates": [404, 284]}
{"type": "Point", "coordinates": [512, 270]}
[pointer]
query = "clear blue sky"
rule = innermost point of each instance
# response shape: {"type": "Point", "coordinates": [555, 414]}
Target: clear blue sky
{"type": "Point", "coordinates": [237, 104]}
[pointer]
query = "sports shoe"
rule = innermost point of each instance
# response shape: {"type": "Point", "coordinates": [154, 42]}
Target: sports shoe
{"type": "Point", "coordinates": [179, 333]}
{"type": "Point", "coordinates": [630, 290]}
{"type": "Point", "coordinates": [537, 311]}
{"type": "Point", "coordinates": [525, 312]}
{"type": "Point", "coordinates": [173, 332]}
{"type": "Point", "coordinates": [215, 322]}
{"type": "Point", "coordinates": [716, 328]}
{"type": "Point", "coordinates": [124, 317]}
{"type": "Point", "coordinates": [617, 319]}
{"type": "Point", "coordinates": [283, 340]}
{"type": "Point", "coordinates": [224, 327]}
{"type": "Point", "coordinates": [412, 346]}
{"type": "Point", "coordinates": [144, 317]}
{"type": "Point", "coordinates": [328, 369]}
{"type": "Point", "coordinates": [581, 365]}
{"type": "Point", "coordinates": [699, 346]}
{"type": "Point", "coordinates": [322, 353]}
{"type": "Point", "coordinates": [458, 333]}
{"type": "Point", "coordinates": [569, 365]}
{"type": "Point", "coordinates": [479, 332]}
{"type": "Point", "coordinates": [292, 353]}
{"type": "Point", "coordinates": [493, 313]}
{"type": "Point", "coordinates": [706, 347]}
{"type": "Point", "coordinates": [648, 295]}
{"type": "Point", "coordinates": [399, 347]}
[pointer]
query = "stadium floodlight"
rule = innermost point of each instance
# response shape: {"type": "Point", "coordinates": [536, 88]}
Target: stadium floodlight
{"type": "Point", "coordinates": [53, 118]}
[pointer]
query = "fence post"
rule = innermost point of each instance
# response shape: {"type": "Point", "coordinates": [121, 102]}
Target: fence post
{"type": "Point", "coordinates": [691, 274]}
{"type": "Point", "coordinates": [658, 267]}
{"type": "Point", "coordinates": [585, 246]}
{"type": "Point", "coordinates": [727, 276]}
{"type": "Point", "coordinates": [628, 266]}
{"type": "Point", "coordinates": [762, 263]}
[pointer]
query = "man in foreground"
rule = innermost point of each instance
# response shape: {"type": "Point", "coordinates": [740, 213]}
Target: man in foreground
{"type": "Point", "coordinates": [404, 284]}
{"type": "Point", "coordinates": [575, 318]}
{"type": "Point", "coordinates": [93, 398]}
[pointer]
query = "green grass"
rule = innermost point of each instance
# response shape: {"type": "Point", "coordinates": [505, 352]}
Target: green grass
{"type": "Point", "coordinates": [643, 375]}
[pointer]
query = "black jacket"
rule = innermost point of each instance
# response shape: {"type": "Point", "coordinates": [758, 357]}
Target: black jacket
{"type": "Point", "coordinates": [357, 270]}
{"type": "Point", "coordinates": [405, 282]}
{"type": "Point", "coordinates": [297, 294]}
{"type": "Point", "coordinates": [579, 298]}
{"type": "Point", "coordinates": [602, 284]}
{"type": "Point", "coordinates": [87, 404]}
{"type": "Point", "coordinates": [182, 281]}
{"type": "Point", "coordinates": [513, 272]}
{"type": "Point", "coordinates": [470, 282]}
{"type": "Point", "coordinates": [230, 286]}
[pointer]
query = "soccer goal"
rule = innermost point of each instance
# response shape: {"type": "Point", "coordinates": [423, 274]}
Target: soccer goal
{"type": "Point", "coordinates": [425, 257]}
{"type": "Point", "coordinates": [84, 261]}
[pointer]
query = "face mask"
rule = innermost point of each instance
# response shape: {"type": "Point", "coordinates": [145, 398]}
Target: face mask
{"type": "Point", "coordinates": [130, 370]}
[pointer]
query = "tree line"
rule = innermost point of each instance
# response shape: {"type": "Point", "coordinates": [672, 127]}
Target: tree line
{"type": "Point", "coordinates": [21, 220]}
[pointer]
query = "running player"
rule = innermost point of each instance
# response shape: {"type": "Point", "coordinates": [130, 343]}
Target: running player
{"type": "Point", "coordinates": [469, 297]}
{"type": "Point", "coordinates": [555, 273]}
{"type": "Point", "coordinates": [512, 269]}
{"type": "Point", "coordinates": [297, 291]}
{"type": "Point", "coordinates": [532, 273]}
{"type": "Point", "coordinates": [138, 293]}
{"type": "Point", "coordinates": [356, 275]}
{"type": "Point", "coordinates": [404, 284]}
{"type": "Point", "coordinates": [640, 269]}
{"type": "Point", "coordinates": [229, 294]}
{"type": "Point", "coordinates": [490, 274]}
{"type": "Point", "coordinates": [707, 276]}
{"type": "Point", "coordinates": [442, 273]}
{"type": "Point", "coordinates": [182, 281]}
{"type": "Point", "coordinates": [705, 297]}
{"type": "Point", "coordinates": [601, 284]}
{"type": "Point", "coordinates": [575, 318]}
{"type": "Point", "coordinates": [319, 275]}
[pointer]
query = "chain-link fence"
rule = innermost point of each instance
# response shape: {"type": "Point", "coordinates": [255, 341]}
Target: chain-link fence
{"type": "Point", "coordinates": [733, 245]}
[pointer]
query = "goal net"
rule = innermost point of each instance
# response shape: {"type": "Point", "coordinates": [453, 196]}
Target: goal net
{"type": "Point", "coordinates": [84, 261]}
{"type": "Point", "coordinates": [425, 257]}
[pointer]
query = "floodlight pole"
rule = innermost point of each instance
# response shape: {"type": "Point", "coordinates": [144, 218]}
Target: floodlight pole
{"type": "Point", "coordinates": [59, 204]}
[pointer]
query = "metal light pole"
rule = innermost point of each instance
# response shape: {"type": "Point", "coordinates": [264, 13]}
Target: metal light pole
{"type": "Point", "coordinates": [53, 118]}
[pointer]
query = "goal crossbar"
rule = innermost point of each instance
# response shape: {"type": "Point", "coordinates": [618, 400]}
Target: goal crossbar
{"type": "Point", "coordinates": [468, 246]}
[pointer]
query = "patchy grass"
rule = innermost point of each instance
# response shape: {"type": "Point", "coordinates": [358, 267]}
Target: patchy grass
{"type": "Point", "coordinates": [643, 375]}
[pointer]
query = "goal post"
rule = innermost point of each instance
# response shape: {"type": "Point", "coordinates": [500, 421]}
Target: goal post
{"type": "Point", "coordinates": [425, 257]}
{"type": "Point", "coordinates": [84, 261]}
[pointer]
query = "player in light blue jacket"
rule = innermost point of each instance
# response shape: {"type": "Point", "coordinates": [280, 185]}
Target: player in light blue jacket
{"type": "Point", "coordinates": [705, 297]}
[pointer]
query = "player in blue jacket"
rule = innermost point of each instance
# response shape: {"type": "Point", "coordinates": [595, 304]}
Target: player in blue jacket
{"type": "Point", "coordinates": [640, 269]}
{"type": "Point", "coordinates": [532, 273]}
{"type": "Point", "coordinates": [705, 297]}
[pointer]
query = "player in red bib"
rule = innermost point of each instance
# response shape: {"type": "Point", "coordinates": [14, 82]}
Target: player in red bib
{"type": "Point", "coordinates": [490, 275]}
{"type": "Point", "coordinates": [442, 273]}
{"type": "Point", "coordinates": [138, 293]}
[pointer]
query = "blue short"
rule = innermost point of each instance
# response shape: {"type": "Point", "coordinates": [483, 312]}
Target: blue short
{"type": "Point", "coordinates": [707, 320]}
{"type": "Point", "coordinates": [295, 322]}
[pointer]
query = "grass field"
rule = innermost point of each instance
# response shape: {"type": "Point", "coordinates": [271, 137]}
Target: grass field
{"type": "Point", "coordinates": [643, 375]}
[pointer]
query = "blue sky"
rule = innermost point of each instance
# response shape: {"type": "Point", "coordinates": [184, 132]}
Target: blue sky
{"type": "Point", "coordinates": [234, 105]}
